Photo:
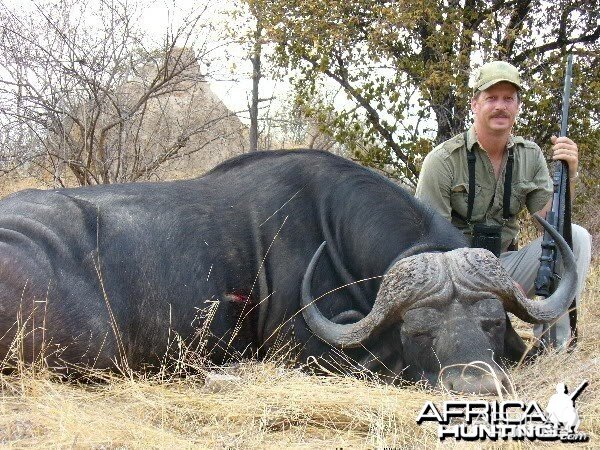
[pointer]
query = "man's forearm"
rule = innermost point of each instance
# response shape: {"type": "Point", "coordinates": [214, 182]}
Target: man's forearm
{"type": "Point", "coordinates": [572, 185]}
{"type": "Point", "coordinates": [543, 213]}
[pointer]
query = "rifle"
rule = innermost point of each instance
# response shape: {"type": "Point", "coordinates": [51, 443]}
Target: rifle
{"type": "Point", "coordinates": [560, 218]}
{"type": "Point", "coordinates": [579, 390]}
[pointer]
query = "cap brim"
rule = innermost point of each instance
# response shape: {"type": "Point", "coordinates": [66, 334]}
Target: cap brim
{"type": "Point", "coordinates": [484, 86]}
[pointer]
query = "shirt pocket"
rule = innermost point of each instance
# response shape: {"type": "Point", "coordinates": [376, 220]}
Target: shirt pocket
{"type": "Point", "coordinates": [518, 196]}
{"type": "Point", "coordinates": [459, 199]}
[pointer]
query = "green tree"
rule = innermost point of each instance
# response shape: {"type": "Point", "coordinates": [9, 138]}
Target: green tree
{"type": "Point", "coordinates": [404, 67]}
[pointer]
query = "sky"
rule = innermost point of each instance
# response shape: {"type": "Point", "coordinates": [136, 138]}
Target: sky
{"type": "Point", "coordinates": [233, 84]}
{"type": "Point", "coordinates": [232, 81]}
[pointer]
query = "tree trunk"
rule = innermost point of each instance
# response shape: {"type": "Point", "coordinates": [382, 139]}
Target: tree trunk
{"type": "Point", "coordinates": [256, 75]}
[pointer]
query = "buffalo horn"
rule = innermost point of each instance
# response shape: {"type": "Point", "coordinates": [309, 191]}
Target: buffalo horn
{"type": "Point", "coordinates": [554, 306]}
{"type": "Point", "coordinates": [410, 279]}
{"type": "Point", "coordinates": [477, 272]}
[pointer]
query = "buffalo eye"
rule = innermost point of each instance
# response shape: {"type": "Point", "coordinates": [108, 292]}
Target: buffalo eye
{"type": "Point", "coordinates": [492, 325]}
{"type": "Point", "coordinates": [420, 323]}
{"type": "Point", "coordinates": [420, 334]}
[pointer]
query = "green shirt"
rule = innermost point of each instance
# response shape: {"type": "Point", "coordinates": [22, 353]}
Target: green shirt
{"type": "Point", "coordinates": [444, 184]}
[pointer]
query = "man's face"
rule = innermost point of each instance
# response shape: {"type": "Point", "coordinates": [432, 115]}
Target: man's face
{"type": "Point", "coordinates": [496, 108]}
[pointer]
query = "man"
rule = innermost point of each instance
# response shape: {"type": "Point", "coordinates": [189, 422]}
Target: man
{"type": "Point", "coordinates": [488, 219]}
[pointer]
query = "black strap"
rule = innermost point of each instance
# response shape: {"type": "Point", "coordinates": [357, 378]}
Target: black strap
{"type": "Point", "coordinates": [471, 164]}
{"type": "Point", "coordinates": [507, 182]}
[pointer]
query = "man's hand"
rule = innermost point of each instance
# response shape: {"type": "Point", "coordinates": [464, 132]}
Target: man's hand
{"type": "Point", "coordinates": [565, 149]}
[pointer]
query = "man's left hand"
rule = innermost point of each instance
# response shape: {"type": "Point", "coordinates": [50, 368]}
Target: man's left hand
{"type": "Point", "coordinates": [565, 149]}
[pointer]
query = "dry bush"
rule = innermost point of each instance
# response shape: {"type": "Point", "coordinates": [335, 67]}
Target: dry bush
{"type": "Point", "coordinates": [591, 221]}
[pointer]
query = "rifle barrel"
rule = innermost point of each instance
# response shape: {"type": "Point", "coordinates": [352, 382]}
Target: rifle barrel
{"type": "Point", "coordinates": [566, 96]}
{"type": "Point", "coordinates": [546, 279]}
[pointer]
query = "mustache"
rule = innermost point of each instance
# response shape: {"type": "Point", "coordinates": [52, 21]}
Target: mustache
{"type": "Point", "coordinates": [501, 114]}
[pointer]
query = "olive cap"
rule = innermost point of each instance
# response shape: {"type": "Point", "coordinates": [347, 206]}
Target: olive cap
{"type": "Point", "coordinates": [495, 72]}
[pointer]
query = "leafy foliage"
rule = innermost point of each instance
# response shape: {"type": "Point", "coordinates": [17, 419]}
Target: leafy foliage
{"type": "Point", "coordinates": [404, 67]}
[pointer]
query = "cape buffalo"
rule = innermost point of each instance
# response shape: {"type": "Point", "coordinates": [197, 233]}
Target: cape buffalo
{"type": "Point", "coordinates": [105, 276]}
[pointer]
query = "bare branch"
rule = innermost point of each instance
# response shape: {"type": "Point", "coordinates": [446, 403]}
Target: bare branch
{"type": "Point", "coordinates": [83, 93]}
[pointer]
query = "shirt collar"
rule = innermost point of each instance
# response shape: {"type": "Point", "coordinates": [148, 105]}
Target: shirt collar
{"type": "Point", "coordinates": [472, 139]}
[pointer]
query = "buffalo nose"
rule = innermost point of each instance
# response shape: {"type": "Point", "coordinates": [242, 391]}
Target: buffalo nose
{"type": "Point", "coordinates": [475, 379]}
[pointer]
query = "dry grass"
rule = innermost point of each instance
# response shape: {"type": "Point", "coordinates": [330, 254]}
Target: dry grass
{"type": "Point", "coordinates": [269, 406]}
